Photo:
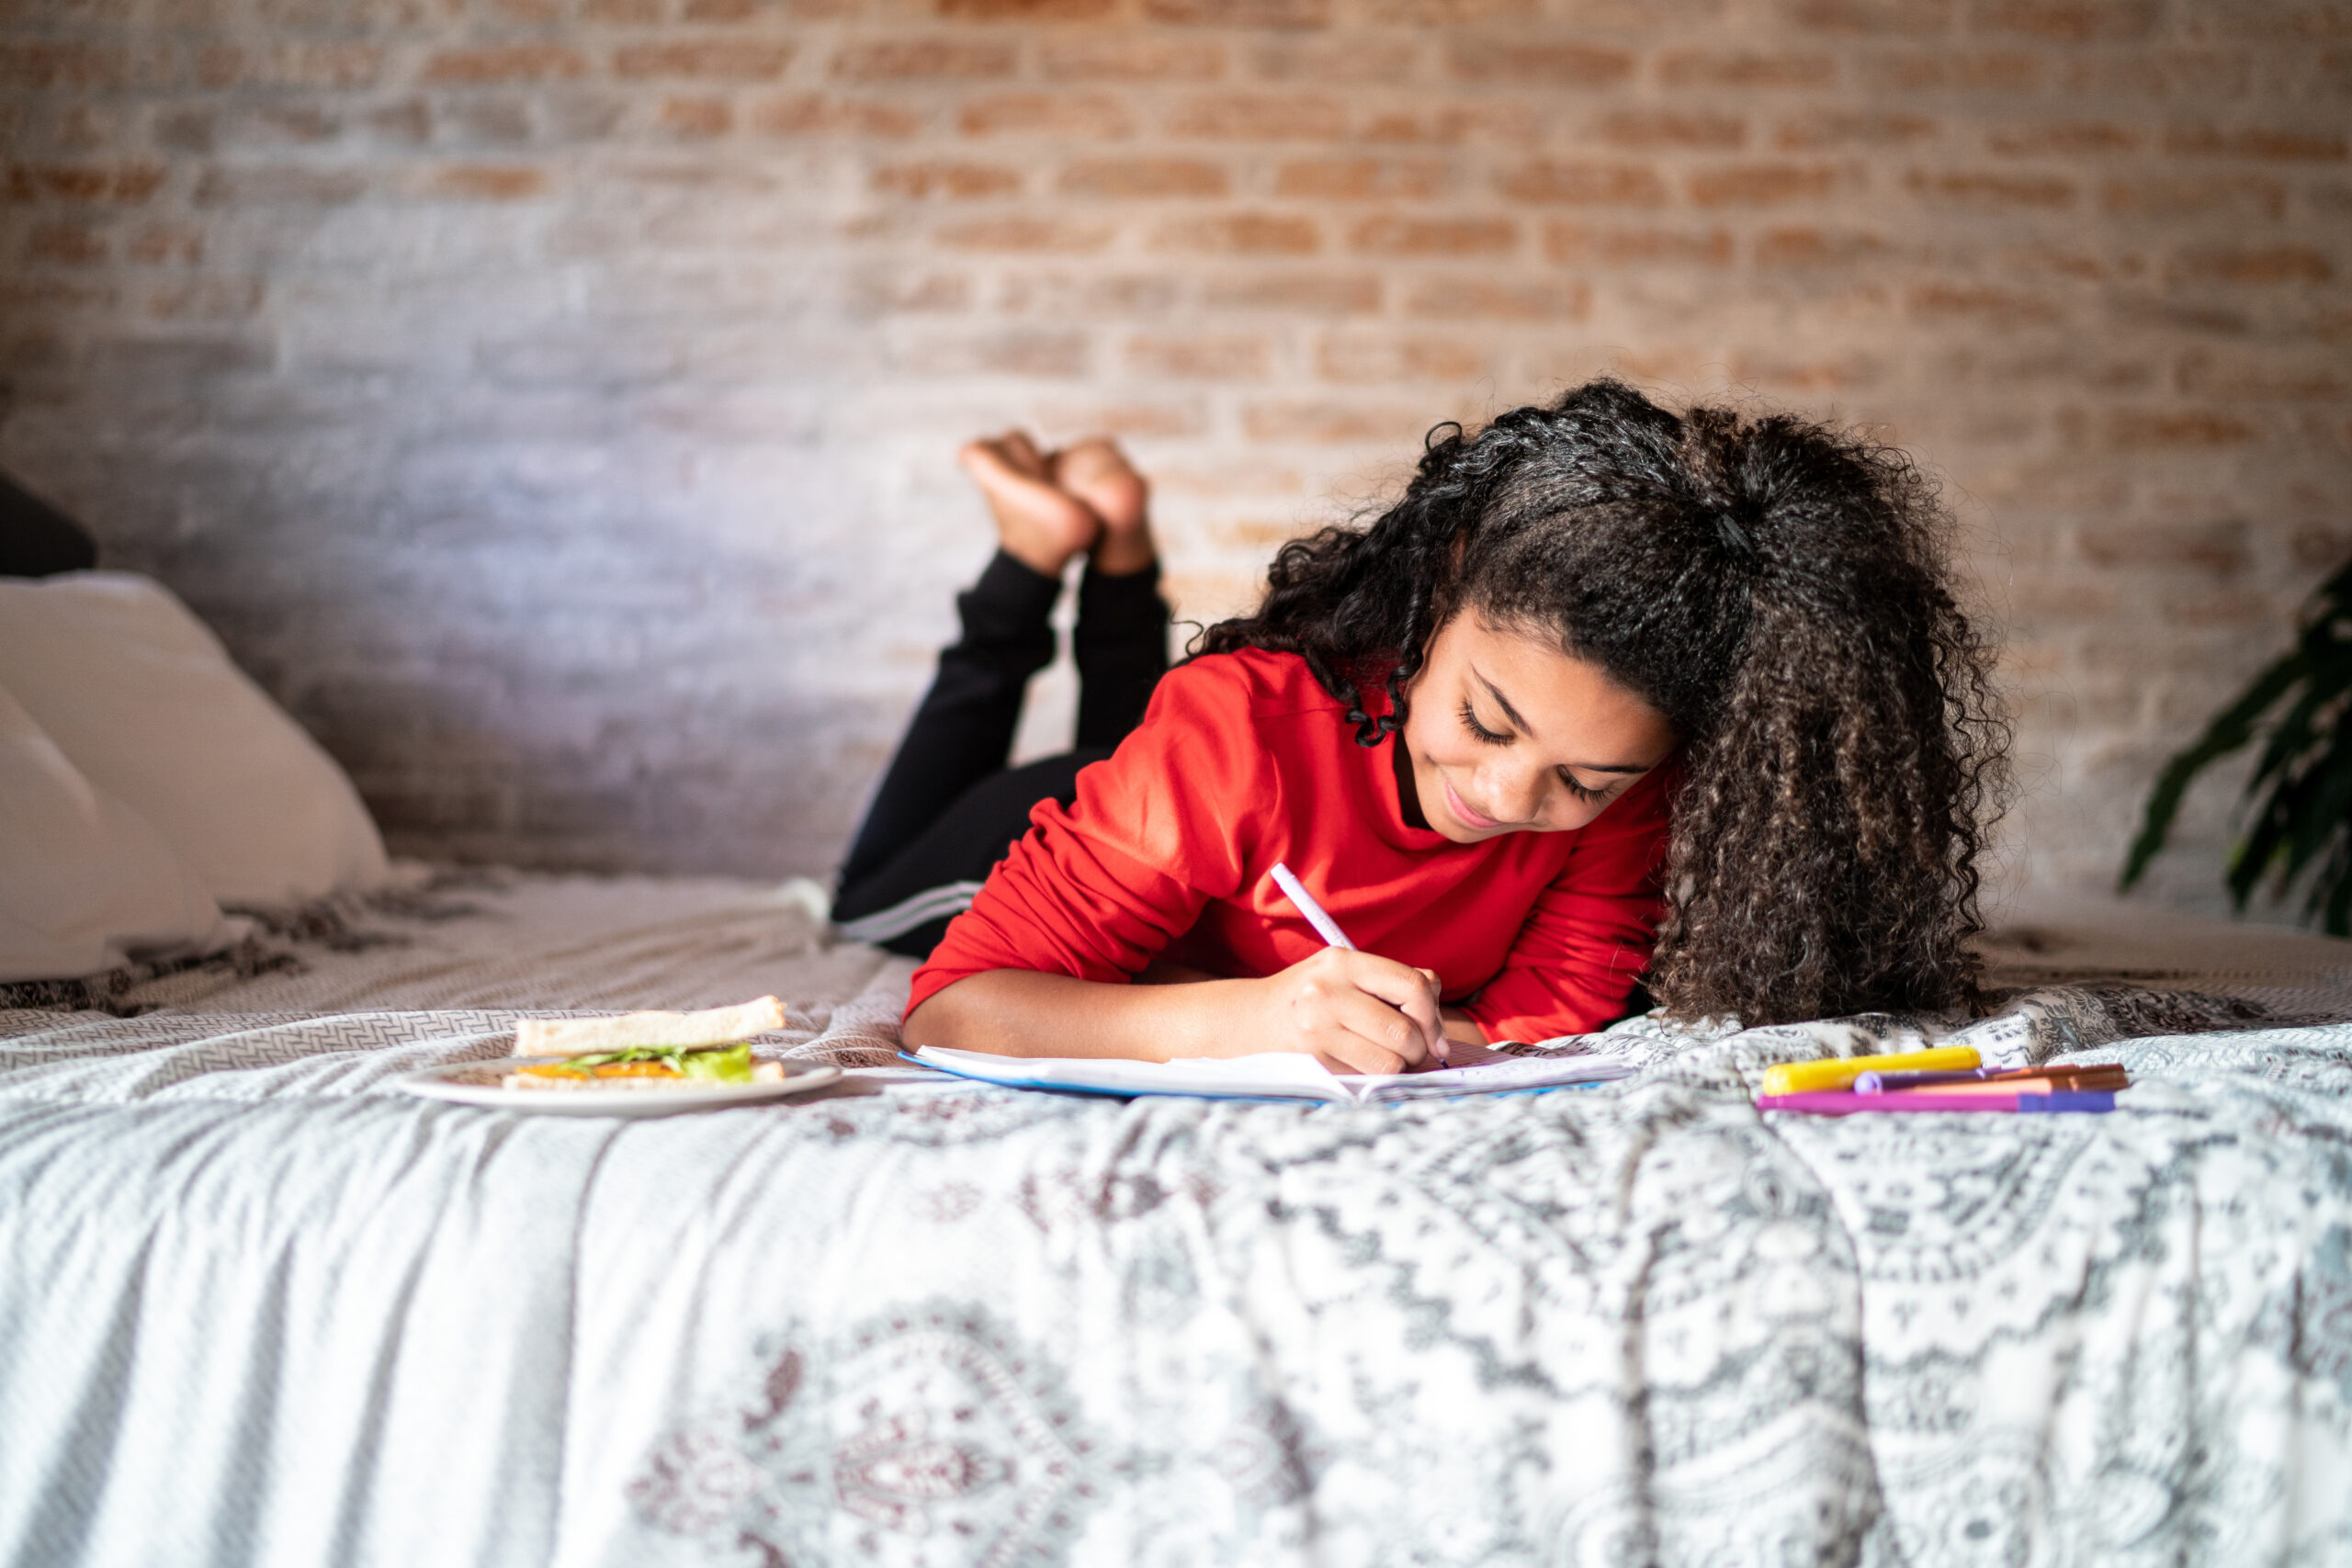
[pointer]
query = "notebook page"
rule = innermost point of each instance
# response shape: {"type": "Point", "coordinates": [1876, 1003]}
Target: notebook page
{"type": "Point", "coordinates": [1500, 1074]}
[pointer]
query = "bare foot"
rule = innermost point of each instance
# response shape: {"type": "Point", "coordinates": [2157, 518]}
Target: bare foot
{"type": "Point", "coordinates": [1099, 474]}
{"type": "Point", "coordinates": [1040, 525]}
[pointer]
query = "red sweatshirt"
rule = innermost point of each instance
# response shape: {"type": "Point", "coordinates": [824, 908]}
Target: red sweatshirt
{"type": "Point", "coordinates": [1244, 760]}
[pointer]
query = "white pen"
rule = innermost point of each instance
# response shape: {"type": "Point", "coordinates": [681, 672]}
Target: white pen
{"type": "Point", "coordinates": [1325, 926]}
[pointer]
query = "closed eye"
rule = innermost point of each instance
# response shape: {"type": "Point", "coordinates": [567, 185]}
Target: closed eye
{"type": "Point", "coordinates": [1578, 790]}
{"type": "Point", "coordinates": [1479, 731]}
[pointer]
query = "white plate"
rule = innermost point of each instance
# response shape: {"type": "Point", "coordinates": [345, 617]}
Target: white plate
{"type": "Point", "coordinates": [450, 1082]}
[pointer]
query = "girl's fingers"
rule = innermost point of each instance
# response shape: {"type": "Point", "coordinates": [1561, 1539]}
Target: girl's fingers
{"type": "Point", "coordinates": [1410, 992]}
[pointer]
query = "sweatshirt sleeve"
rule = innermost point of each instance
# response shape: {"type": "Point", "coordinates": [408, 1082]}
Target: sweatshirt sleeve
{"type": "Point", "coordinates": [1096, 890]}
{"type": "Point", "coordinates": [1592, 929]}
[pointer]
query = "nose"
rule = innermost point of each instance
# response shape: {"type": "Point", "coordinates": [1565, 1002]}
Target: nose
{"type": "Point", "coordinates": [1513, 794]}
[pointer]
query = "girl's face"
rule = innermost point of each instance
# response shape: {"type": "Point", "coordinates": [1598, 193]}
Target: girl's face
{"type": "Point", "coordinates": [1507, 734]}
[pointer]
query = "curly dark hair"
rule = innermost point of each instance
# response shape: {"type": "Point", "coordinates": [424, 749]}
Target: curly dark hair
{"type": "Point", "coordinates": [1780, 593]}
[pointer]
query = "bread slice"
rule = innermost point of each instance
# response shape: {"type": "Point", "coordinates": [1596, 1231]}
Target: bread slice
{"type": "Point", "coordinates": [594, 1036]}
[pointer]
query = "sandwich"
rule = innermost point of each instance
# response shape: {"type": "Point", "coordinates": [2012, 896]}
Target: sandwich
{"type": "Point", "coordinates": [646, 1050]}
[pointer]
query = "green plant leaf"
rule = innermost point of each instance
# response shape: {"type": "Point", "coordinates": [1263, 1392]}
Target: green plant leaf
{"type": "Point", "coordinates": [2231, 729]}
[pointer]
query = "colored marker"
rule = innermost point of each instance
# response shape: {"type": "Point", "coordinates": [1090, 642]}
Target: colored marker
{"type": "Point", "coordinates": [2099, 1076]}
{"type": "Point", "coordinates": [1839, 1072]}
{"type": "Point", "coordinates": [1836, 1104]}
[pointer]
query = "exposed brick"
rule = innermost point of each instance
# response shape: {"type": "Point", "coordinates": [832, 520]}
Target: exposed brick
{"type": "Point", "coordinates": [486, 182]}
{"type": "Point", "coordinates": [1014, 352]}
{"type": "Point", "coordinates": [2272, 19]}
{"type": "Point", "coordinates": [1710, 68]}
{"type": "Point", "coordinates": [1261, 116]}
{"type": "Point", "coordinates": [1759, 185]}
{"type": "Point", "coordinates": [2218, 548]}
{"type": "Point", "coordinates": [918, 60]}
{"type": "Point", "coordinates": [1130, 58]}
{"type": "Point", "coordinates": [2158, 74]}
{"type": "Point", "coordinates": [1871, 17]}
{"type": "Point", "coordinates": [2251, 265]}
{"type": "Point", "coordinates": [1508, 59]}
{"type": "Point", "coordinates": [815, 114]}
{"type": "Point", "coordinates": [2173, 196]}
{"type": "Point", "coordinates": [1360, 359]}
{"type": "Point", "coordinates": [1503, 124]}
{"type": "Point", "coordinates": [697, 119]}
{"type": "Point", "coordinates": [945, 176]}
{"type": "Point", "coordinates": [74, 245]}
{"type": "Point", "coordinates": [1481, 296]}
{"type": "Point", "coordinates": [514, 63]}
{"type": "Point", "coordinates": [2203, 373]}
{"type": "Point", "coordinates": [1240, 13]}
{"type": "Point", "coordinates": [1201, 357]}
{"type": "Point", "coordinates": [158, 244]}
{"type": "Point", "coordinates": [1449, 13]}
{"type": "Point", "coordinates": [1986, 192]}
{"type": "Point", "coordinates": [1665, 128]}
{"type": "Point", "coordinates": [1585, 184]}
{"type": "Point", "coordinates": [1398, 236]}
{"type": "Point", "coordinates": [1333, 422]}
{"type": "Point", "coordinates": [1964, 71]}
{"type": "Point", "coordinates": [1299, 293]}
{"type": "Point", "coordinates": [1868, 129]}
{"type": "Point", "coordinates": [731, 59]}
{"type": "Point", "coordinates": [1026, 234]}
{"type": "Point", "coordinates": [1798, 377]}
{"type": "Point", "coordinates": [1143, 177]}
{"type": "Point", "coordinates": [1361, 180]}
{"type": "Point", "coordinates": [292, 65]}
{"type": "Point", "coordinates": [2257, 142]}
{"type": "Point", "coordinates": [1798, 249]}
{"type": "Point", "coordinates": [1090, 293]}
{"type": "Point", "coordinates": [1579, 243]}
{"type": "Point", "coordinates": [1051, 114]}
{"type": "Point", "coordinates": [1984, 303]}
{"type": "Point", "coordinates": [1329, 62]}
{"type": "Point", "coordinates": [886, 294]}
{"type": "Point", "coordinates": [1027, 10]}
{"type": "Point", "coordinates": [695, 11]}
{"type": "Point", "coordinates": [2069, 21]}
{"type": "Point", "coordinates": [2066, 136]}
{"type": "Point", "coordinates": [1163, 419]}
{"type": "Point", "coordinates": [1242, 233]}
{"type": "Point", "coordinates": [41, 66]}
{"type": "Point", "coordinates": [2159, 430]}
{"type": "Point", "coordinates": [205, 300]}
{"type": "Point", "coordinates": [116, 184]}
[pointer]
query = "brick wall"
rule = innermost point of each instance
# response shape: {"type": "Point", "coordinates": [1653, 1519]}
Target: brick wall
{"type": "Point", "coordinates": [552, 400]}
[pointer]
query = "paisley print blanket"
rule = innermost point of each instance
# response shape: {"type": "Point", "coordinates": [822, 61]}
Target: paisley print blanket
{"type": "Point", "coordinates": [259, 1309]}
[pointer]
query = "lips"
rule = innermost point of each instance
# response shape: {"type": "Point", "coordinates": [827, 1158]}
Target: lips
{"type": "Point", "coordinates": [1464, 815]}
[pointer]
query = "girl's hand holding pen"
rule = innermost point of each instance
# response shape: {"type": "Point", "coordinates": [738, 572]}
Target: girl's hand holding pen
{"type": "Point", "coordinates": [1357, 1012]}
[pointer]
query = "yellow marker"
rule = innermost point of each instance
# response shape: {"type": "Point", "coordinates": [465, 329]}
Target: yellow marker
{"type": "Point", "coordinates": [1839, 1072]}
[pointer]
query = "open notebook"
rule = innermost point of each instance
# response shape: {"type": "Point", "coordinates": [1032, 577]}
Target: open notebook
{"type": "Point", "coordinates": [1279, 1075]}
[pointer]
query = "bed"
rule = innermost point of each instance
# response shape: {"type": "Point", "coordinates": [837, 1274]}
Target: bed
{"type": "Point", "coordinates": [263, 1309]}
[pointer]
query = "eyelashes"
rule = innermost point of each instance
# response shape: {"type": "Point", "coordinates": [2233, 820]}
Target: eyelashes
{"type": "Point", "coordinates": [1480, 732]}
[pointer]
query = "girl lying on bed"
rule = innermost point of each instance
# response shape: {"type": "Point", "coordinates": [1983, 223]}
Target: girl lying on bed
{"type": "Point", "coordinates": [1609, 696]}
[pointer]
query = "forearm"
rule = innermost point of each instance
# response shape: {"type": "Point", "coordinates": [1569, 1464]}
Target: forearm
{"type": "Point", "coordinates": [1018, 1012]}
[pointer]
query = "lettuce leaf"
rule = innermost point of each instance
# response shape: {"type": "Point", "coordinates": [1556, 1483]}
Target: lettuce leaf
{"type": "Point", "coordinates": [718, 1064]}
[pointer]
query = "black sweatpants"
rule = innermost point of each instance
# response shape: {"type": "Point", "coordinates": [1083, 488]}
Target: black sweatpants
{"type": "Point", "coordinates": [949, 808]}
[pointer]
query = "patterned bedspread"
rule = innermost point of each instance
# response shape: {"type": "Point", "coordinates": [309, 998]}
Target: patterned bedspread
{"type": "Point", "coordinates": [260, 1309]}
